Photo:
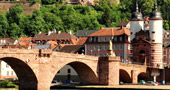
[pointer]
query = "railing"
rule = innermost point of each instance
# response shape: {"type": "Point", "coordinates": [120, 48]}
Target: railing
{"type": "Point", "coordinates": [129, 62]}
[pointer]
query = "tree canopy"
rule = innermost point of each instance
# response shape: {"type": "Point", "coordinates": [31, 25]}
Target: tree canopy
{"type": "Point", "coordinates": [65, 17]}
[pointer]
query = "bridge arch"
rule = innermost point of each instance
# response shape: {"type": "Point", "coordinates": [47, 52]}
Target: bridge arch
{"type": "Point", "coordinates": [26, 76]}
{"type": "Point", "coordinates": [86, 73]}
{"type": "Point", "coordinates": [144, 76]}
{"type": "Point", "coordinates": [124, 76]}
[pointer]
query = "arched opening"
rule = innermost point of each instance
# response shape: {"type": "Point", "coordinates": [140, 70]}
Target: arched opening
{"type": "Point", "coordinates": [85, 74]}
{"type": "Point", "coordinates": [142, 56]}
{"type": "Point", "coordinates": [144, 76]}
{"type": "Point", "coordinates": [124, 76]}
{"type": "Point", "coordinates": [27, 78]}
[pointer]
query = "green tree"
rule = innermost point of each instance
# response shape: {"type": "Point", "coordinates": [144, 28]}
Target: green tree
{"type": "Point", "coordinates": [48, 1]}
{"type": "Point", "coordinates": [166, 25]}
{"type": "Point", "coordinates": [15, 31]}
{"type": "Point", "coordinates": [3, 26]}
{"type": "Point", "coordinates": [36, 23]}
{"type": "Point", "coordinates": [14, 15]}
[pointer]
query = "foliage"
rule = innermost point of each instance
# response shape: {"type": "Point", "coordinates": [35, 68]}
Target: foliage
{"type": "Point", "coordinates": [7, 84]}
{"type": "Point", "coordinates": [65, 17]}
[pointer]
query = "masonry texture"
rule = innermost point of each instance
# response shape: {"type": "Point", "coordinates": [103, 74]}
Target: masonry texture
{"type": "Point", "coordinates": [36, 69]}
{"type": "Point", "coordinates": [28, 7]}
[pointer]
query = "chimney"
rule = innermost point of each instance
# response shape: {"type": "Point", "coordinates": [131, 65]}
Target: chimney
{"type": "Point", "coordinates": [59, 32]}
{"type": "Point", "coordinates": [39, 32]}
{"type": "Point", "coordinates": [69, 32]}
{"type": "Point", "coordinates": [49, 32]}
{"type": "Point", "coordinates": [54, 31]}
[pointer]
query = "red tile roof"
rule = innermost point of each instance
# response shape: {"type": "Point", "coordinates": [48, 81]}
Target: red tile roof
{"type": "Point", "coordinates": [111, 32]}
{"type": "Point", "coordinates": [54, 36]}
{"type": "Point", "coordinates": [81, 40]}
{"type": "Point", "coordinates": [24, 40]}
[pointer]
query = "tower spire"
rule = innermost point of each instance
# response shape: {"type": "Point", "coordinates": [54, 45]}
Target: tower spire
{"type": "Point", "coordinates": [137, 8]}
{"type": "Point", "coordinates": [156, 6]}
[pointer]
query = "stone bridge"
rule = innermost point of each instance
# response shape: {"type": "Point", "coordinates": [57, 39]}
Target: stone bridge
{"type": "Point", "coordinates": [130, 72]}
{"type": "Point", "coordinates": [36, 69]}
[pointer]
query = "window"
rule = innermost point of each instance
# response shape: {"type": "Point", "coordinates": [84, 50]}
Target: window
{"type": "Point", "coordinates": [153, 31]}
{"type": "Point", "coordinates": [7, 73]}
{"type": "Point", "coordinates": [120, 38]}
{"type": "Point", "coordinates": [90, 39]}
{"type": "Point", "coordinates": [115, 39]}
{"type": "Point", "coordinates": [94, 39]}
{"type": "Point", "coordinates": [7, 66]}
{"type": "Point", "coordinates": [12, 73]}
{"type": "Point", "coordinates": [58, 71]}
{"type": "Point", "coordinates": [99, 39]}
{"type": "Point", "coordinates": [69, 70]}
{"type": "Point", "coordinates": [94, 47]}
{"type": "Point", "coordinates": [100, 47]}
{"type": "Point", "coordinates": [104, 47]}
{"type": "Point", "coordinates": [131, 33]}
{"type": "Point", "coordinates": [121, 47]}
{"type": "Point", "coordinates": [114, 47]}
{"type": "Point", "coordinates": [164, 60]}
{"type": "Point", "coordinates": [105, 39]}
{"type": "Point", "coordinates": [164, 52]}
{"type": "Point", "coordinates": [153, 40]}
{"type": "Point", "coordinates": [89, 47]}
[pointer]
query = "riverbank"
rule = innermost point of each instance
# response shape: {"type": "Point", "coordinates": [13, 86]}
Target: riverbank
{"type": "Point", "coordinates": [121, 87]}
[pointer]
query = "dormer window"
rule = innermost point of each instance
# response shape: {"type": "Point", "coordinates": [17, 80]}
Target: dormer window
{"type": "Point", "coordinates": [115, 39]}
{"type": "Point", "coordinates": [105, 39]}
{"type": "Point", "coordinates": [99, 39]}
{"type": "Point", "coordinates": [90, 39]}
{"type": "Point", "coordinates": [120, 38]}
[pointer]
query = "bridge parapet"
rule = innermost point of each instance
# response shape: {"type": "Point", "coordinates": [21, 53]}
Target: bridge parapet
{"type": "Point", "coordinates": [19, 51]}
{"type": "Point", "coordinates": [133, 65]}
{"type": "Point", "coordinates": [71, 55]}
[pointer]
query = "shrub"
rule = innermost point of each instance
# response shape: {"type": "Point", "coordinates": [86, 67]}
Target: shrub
{"type": "Point", "coordinates": [7, 84]}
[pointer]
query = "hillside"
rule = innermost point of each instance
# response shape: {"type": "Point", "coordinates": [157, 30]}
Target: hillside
{"type": "Point", "coordinates": [64, 17]}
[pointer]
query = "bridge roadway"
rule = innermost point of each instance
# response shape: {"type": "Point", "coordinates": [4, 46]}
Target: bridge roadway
{"type": "Point", "coordinates": [36, 69]}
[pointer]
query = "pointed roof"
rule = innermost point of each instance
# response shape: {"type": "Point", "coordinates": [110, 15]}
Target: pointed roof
{"type": "Point", "coordinates": [111, 32]}
{"type": "Point", "coordinates": [137, 15]}
{"type": "Point", "coordinates": [155, 13]}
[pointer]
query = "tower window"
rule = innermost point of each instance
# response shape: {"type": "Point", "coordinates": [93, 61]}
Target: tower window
{"type": "Point", "coordinates": [69, 71]}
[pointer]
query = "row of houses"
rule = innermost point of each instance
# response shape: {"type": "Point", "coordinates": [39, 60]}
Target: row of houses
{"type": "Point", "coordinates": [90, 42]}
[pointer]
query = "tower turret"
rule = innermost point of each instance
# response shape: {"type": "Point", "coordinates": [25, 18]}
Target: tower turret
{"type": "Point", "coordinates": [156, 31]}
{"type": "Point", "coordinates": [136, 22]}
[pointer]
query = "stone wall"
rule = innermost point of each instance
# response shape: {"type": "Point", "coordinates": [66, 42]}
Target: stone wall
{"type": "Point", "coordinates": [28, 7]}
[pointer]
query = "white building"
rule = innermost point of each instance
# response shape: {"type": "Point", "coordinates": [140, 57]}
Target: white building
{"type": "Point", "coordinates": [6, 72]}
